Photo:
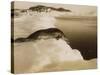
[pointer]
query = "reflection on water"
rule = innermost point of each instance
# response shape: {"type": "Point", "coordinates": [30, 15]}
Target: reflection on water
{"type": "Point", "coordinates": [82, 35]}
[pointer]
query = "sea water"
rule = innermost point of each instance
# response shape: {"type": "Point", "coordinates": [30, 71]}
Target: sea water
{"type": "Point", "coordinates": [36, 56]}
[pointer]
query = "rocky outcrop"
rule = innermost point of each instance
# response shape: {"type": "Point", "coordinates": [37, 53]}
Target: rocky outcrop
{"type": "Point", "coordinates": [44, 34]}
{"type": "Point", "coordinates": [41, 8]}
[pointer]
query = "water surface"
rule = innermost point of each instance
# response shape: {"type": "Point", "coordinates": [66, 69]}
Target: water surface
{"type": "Point", "coordinates": [82, 34]}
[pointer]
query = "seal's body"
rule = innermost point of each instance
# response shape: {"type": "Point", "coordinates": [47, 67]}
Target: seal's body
{"type": "Point", "coordinates": [44, 34]}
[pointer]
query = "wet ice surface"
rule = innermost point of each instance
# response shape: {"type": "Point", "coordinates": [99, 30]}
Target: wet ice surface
{"type": "Point", "coordinates": [44, 55]}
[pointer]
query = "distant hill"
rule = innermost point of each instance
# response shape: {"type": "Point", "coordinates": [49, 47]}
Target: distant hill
{"type": "Point", "coordinates": [42, 8]}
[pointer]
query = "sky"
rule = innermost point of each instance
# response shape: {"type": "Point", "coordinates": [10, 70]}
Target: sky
{"type": "Point", "coordinates": [76, 9]}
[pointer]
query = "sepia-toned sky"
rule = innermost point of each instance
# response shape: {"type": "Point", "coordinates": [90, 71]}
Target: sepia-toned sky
{"type": "Point", "coordinates": [76, 9]}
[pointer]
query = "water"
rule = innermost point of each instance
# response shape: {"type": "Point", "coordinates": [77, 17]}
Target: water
{"type": "Point", "coordinates": [34, 56]}
{"type": "Point", "coordinates": [82, 35]}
